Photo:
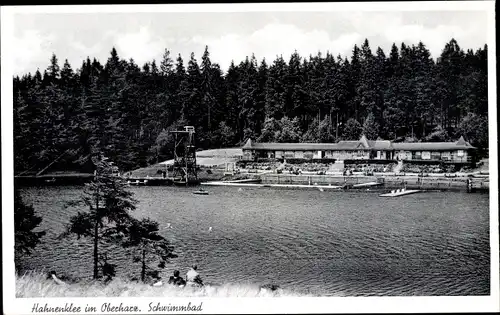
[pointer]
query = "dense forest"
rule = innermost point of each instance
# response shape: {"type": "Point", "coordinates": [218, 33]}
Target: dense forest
{"type": "Point", "coordinates": [126, 111]}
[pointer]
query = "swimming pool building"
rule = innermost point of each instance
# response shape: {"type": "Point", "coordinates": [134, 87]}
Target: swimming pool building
{"type": "Point", "coordinates": [459, 152]}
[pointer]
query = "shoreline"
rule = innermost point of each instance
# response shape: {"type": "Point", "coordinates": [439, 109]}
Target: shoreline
{"type": "Point", "coordinates": [468, 182]}
{"type": "Point", "coordinates": [34, 284]}
{"type": "Point", "coordinates": [413, 181]}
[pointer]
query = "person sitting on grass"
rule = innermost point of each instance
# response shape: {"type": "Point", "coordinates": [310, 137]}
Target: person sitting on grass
{"type": "Point", "coordinates": [52, 275]}
{"type": "Point", "coordinates": [158, 282]}
{"type": "Point", "coordinates": [176, 279]}
{"type": "Point", "coordinates": [193, 277]}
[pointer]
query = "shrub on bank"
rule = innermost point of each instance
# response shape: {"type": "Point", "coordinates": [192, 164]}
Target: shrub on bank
{"type": "Point", "coordinates": [370, 167]}
{"type": "Point", "coordinates": [428, 168]}
{"type": "Point", "coordinates": [316, 161]}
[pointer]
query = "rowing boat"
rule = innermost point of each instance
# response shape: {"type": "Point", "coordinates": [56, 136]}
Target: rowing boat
{"type": "Point", "coordinates": [400, 192]}
{"type": "Point", "coordinates": [200, 192]}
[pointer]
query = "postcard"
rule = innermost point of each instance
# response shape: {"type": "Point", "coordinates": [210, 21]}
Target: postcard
{"type": "Point", "coordinates": [250, 158]}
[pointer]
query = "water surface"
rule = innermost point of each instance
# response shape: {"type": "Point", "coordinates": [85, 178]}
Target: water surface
{"type": "Point", "coordinates": [323, 243]}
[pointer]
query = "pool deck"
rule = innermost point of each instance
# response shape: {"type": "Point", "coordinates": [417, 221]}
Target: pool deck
{"type": "Point", "coordinates": [243, 184]}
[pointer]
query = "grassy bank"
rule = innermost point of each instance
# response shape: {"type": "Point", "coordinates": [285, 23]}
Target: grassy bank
{"type": "Point", "coordinates": [36, 284]}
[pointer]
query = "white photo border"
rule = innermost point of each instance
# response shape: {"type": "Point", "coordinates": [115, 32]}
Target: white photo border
{"type": "Point", "coordinates": [13, 305]}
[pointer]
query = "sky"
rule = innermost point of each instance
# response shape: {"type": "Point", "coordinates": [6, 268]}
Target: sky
{"type": "Point", "coordinates": [233, 35]}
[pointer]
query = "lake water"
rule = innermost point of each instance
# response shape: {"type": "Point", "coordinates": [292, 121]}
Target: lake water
{"type": "Point", "coordinates": [322, 243]}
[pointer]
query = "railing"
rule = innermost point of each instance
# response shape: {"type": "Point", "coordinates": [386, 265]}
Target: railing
{"type": "Point", "coordinates": [455, 159]}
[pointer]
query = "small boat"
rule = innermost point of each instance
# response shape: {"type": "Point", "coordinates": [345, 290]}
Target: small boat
{"type": "Point", "coordinates": [400, 192]}
{"type": "Point", "coordinates": [138, 182]}
{"type": "Point", "coordinates": [200, 192]}
{"type": "Point", "coordinates": [370, 184]}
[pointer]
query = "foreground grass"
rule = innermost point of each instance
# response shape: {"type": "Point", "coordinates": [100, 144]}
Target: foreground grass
{"type": "Point", "coordinates": [36, 285]}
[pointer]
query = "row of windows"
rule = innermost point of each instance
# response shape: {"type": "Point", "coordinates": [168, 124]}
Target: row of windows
{"type": "Point", "coordinates": [362, 152]}
{"type": "Point", "coordinates": [415, 155]}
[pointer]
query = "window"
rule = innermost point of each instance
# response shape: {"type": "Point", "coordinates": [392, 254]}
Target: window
{"type": "Point", "coordinates": [435, 156]}
{"type": "Point", "coordinates": [426, 155]}
{"type": "Point", "coordinates": [460, 153]}
{"type": "Point", "coordinates": [308, 155]}
{"type": "Point", "coordinates": [417, 155]}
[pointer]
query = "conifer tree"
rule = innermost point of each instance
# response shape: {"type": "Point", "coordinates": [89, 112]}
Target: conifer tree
{"type": "Point", "coordinates": [109, 205]}
{"type": "Point", "coordinates": [233, 107]}
{"type": "Point", "coordinates": [276, 89]}
{"type": "Point", "coordinates": [352, 130]}
{"type": "Point", "coordinates": [371, 127]}
{"type": "Point", "coordinates": [118, 108]}
{"type": "Point", "coordinates": [26, 223]}
{"type": "Point", "coordinates": [143, 235]}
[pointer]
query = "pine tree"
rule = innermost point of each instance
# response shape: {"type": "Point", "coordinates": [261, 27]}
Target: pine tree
{"type": "Point", "coordinates": [143, 236]}
{"type": "Point", "coordinates": [124, 111]}
{"type": "Point", "coordinates": [319, 131]}
{"type": "Point", "coordinates": [340, 95]}
{"type": "Point", "coordinates": [26, 222]}
{"type": "Point", "coordinates": [248, 90]}
{"type": "Point", "coordinates": [207, 87]}
{"type": "Point", "coordinates": [276, 89]}
{"type": "Point", "coordinates": [226, 135]}
{"type": "Point", "coordinates": [167, 64]}
{"type": "Point", "coordinates": [352, 130]}
{"type": "Point", "coordinates": [366, 93]}
{"type": "Point", "coordinates": [423, 87]}
{"type": "Point", "coordinates": [294, 87]}
{"type": "Point", "coordinates": [260, 98]}
{"type": "Point", "coordinates": [233, 107]}
{"type": "Point", "coordinates": [108, 218]}
{"type": "Point", "coordinates": [371, 127]}
{"type": "Point", "coordinates": [283, 130]}
{"type": "Point", "coordinates": [354, 77]}
{"type": "Point", "coordinates": [53, 71]}
{"type": "Point", "coordinates": [449, 66]}
{"type": "Point", "coordinates": [289, 130]}
{"type": "Point", "coordinates": [475, 130]}
{"type": "Point", "coordinates": [191, 94]}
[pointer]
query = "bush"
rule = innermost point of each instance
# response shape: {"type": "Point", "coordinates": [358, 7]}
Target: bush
{"type": "Point", "coordinates": [266, 160]}
{"type": "Point", "coordinates": [301, 161]}
{"type": "Point", "coordinates": [241, 164]}
{"type": "Point", "coordinates": [369, 168]}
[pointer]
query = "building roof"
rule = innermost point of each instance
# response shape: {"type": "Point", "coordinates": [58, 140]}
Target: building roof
{"type": "Point", "coordinates": [248, 144]}
{"type": "Point", "coordinates": [350, 145]}
{"type": "Point", "coordinates": [362, 144]}
{"type": "Point", "coordinates": [433, 146]}
{"type": "Point", "coordinates": [380, 145]}
{"type": "Point", "coordinates": [290, 146]}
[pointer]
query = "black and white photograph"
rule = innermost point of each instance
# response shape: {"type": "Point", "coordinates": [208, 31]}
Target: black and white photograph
{"type": "Point", "coordinates": [174, 158]}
